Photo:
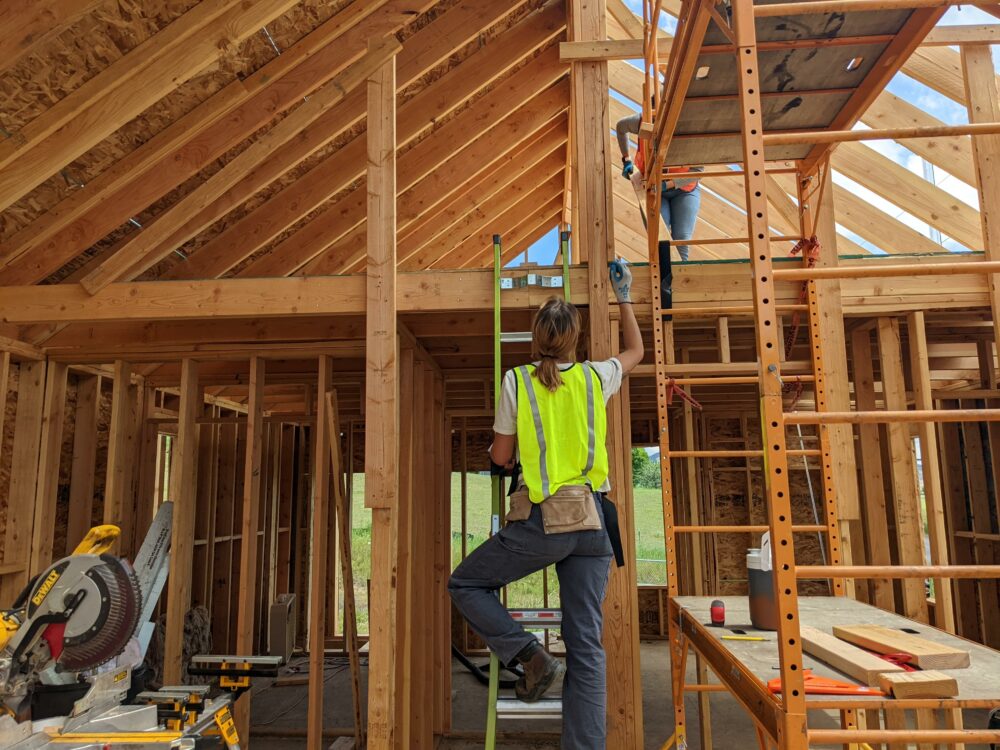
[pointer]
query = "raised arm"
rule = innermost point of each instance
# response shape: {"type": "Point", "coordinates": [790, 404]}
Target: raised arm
{"type": "Point", "coordinates": [625, 126]}
{"type": "Point", "coordinates": [632, 351]}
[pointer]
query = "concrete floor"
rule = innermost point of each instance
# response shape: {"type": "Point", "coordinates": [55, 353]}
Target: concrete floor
{"type": "Point", "coordinates": [283, 709]}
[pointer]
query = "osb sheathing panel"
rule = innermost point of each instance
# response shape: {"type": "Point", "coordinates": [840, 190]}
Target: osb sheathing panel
{"type": "Point", "coordinates": [88, 47]}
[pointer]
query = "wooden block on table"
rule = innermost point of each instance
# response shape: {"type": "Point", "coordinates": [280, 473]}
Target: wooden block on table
{"type": "Point", "coordinates": [851, 660]}
{"type": "Point", "coordinates": [926, 654]}
{"type": "Point", "coordinates": [926, 684]}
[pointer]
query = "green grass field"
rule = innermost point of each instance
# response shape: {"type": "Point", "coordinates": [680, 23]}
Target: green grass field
{"type": "Point", "coordinates": [524, 593]}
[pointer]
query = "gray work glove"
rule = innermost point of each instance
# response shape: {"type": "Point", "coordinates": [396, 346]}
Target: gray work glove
{"type": "Point", "coordinates": [621, 280]}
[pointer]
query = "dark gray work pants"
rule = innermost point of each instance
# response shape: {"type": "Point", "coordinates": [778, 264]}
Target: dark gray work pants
{"type": "Point", "coordinates": [583, 561]}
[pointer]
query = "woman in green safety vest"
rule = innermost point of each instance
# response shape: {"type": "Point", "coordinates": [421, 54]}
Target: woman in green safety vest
{"type": "Point", "coordinates": [551, 414]}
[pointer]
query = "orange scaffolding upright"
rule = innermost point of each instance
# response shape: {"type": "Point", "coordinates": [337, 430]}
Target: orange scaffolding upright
{"type": "Point", "coordinates": [713, 107]}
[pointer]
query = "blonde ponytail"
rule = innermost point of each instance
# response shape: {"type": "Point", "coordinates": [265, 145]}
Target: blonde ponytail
{"type": "Point", "coordinates": [554, 335]}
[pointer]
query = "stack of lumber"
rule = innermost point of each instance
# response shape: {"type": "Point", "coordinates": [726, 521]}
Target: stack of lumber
{"type": "Point", "coordinates": [925, 654]}
{"type": "Point", "coordinates": [849, 650]}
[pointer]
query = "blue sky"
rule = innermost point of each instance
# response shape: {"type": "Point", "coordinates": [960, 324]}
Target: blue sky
{"type": "Point", "coordinates": [544, 250]}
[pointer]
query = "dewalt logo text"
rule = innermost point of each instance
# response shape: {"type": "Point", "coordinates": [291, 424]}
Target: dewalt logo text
{"type": "Point", "coordinates": [45, 588]}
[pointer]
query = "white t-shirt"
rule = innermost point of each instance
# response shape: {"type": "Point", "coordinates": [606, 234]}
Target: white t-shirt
{"type": "Point", "coordinates": [505, 422]}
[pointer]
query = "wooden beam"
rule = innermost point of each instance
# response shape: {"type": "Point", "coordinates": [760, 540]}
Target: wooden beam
{"type": "Point", "coordinates": [118, 490]}
{"type": "Point", "coordinates": [46, 489]}
{"type": "Point", "coordinates": [318, 556]}
{"type": "Point", "coordinates": [81, 485]}
{"type": "Point", "coordinates": [23, 478]}
{"type": "Point", "coordinates": [382, 405]}
{"type": "Point", "coordinates": [249, 298]}
{"type": "Point", "coordinates": [183, 491]}
{"type": "Point", "coordinates": [422, 51]}
{"type": "Point", "coordinates": [606, 49]}
{"type": "Point", "coordinates": [191, 142]}
{"type": "Point", "coordinates": [145, 249]}
{"type": "Point", "coordinates": [949, 36]}
{"type": "Point", "coordinates": [126, 88]}
{"type": "Point", "coordinates": [983, 102]}
{"type": "Point", "coordinates": [252, 465]}
{"type": "Point", "coordinates": [909, 536]}
{"type": "Point", "coordinates": [869, 456]}
{"type": "Point", "coordinates": [944, 613]}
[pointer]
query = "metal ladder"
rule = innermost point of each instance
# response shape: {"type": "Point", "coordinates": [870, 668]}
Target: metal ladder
{"type": "Point", "coordinates": [507, 706]}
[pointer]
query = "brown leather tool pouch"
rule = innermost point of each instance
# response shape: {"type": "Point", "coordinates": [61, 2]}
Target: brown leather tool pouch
{"type": "Point", "coordinates": [520, 505]}
{"type": "Point", "coordinates": [572, 508]}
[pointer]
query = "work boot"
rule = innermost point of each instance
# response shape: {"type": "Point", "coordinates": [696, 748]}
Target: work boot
{"type": "Point", "coordinates": [540, 671]}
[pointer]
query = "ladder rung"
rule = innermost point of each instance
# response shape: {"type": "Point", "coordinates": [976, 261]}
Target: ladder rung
{"type": "Point", "coordinates": [547, 708]}
{"type": "Point", "coordinates": [538, 618]}
{"type": "Point", "coordinates": [515, 337]}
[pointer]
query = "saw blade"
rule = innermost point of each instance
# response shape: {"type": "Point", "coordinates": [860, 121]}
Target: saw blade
{"type": "Point", "coordinates": [109, 632]}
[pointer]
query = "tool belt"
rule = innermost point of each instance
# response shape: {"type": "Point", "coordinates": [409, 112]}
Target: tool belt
{"type": "Point", "coordinates": [571, 508]}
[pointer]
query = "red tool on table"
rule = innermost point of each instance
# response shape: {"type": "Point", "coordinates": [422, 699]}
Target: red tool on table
{"type": "Point", "coordinates": [900, 660]}
{"type": "Point", "coordinates": [826, 686]}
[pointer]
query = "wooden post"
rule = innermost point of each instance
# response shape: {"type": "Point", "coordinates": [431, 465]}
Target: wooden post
{"type": "Point", "coordinates": [318, 555]}
{"type": "Point", "coordinates": [118, 486]}
{"type": "Point", "coordinates": [594, 227]}
{"type": "Point", "coordinates": [944, 612]}
{"type": "Point", "coordinates": [343, 513]}
{"type": "Point", "coordinates": [81, 483]}
{"type": "Point", "coordinates": [840, 438]}
{"type": "Point", "coordinates": [53, 413]}
{"type": "Point", "coordinates": [382, 491]}
{"type": "Point", "coordinates": [984, 106]}
{"type": "Point", "coordinates": [909, 529]}
{"type": "Point", "coordinates": [23, 477]}
{"type": "Point", "coordinates": [251, 521]}
{"type": "Point", "coordinates": [442, 562]}
{"type": "Point", "coordinates": [183, 491]}
{"type": "Point", "coordinates": [870, 460]}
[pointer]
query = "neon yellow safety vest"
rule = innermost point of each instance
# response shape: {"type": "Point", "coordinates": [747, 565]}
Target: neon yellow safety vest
{"type": "Point", "coordinates": [561, 435]}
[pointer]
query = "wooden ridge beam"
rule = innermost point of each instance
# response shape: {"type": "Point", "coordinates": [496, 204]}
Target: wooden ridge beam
{"type": "Point", "coordinates": [492, 120]}
{"type": "Point", "coordinates": [608, 49]}
{"type": "Point", "coordinates": [127, 87]}
{"type": "Point", "coordinates": [420, 53]}
{"type": "Point", "coordinates": [187, 145]}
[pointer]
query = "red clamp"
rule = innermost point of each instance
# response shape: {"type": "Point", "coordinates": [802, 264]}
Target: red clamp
{"type": "Point", "coordinates": [809, 249]}
{"type": "Point", "coordinates": [674, 389]}
{"type": "Point", "coordinates": [900, 660]}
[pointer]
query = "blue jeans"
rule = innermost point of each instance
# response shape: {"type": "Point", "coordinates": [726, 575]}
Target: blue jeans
{"type": "Point", "coordinates": [583, 562]}
{"type": "Point", "coordinates": [679, 210]}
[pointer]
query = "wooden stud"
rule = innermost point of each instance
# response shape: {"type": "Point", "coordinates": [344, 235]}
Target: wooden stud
{"type": "Point", "coordinates": [909, 536]}
{"type": "Point", "coordinates": [381, 383]}
{"type": "Point", "coordinates": [318, 556]}
{"type": "Point", "coordinates": [252, 468]}
{"type": "Point", "coordinates": [944, 613]}
{"type": "Point", "coordinates": [183, 492]}
{"type": "Point", "coordinates": [342, 510]}
{"type": "Point", "coordinates": [23, 478]}
{"type": "Point", "coordinates": [117, 484]}
{"type": "Point", "coordinates": [47, 486]}
{"type": "Point", "coordinates": [869, 457]}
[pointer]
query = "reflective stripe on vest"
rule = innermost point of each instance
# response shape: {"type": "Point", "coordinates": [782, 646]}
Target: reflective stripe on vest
{"type": "Point", "coordinates": [561, 435]}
